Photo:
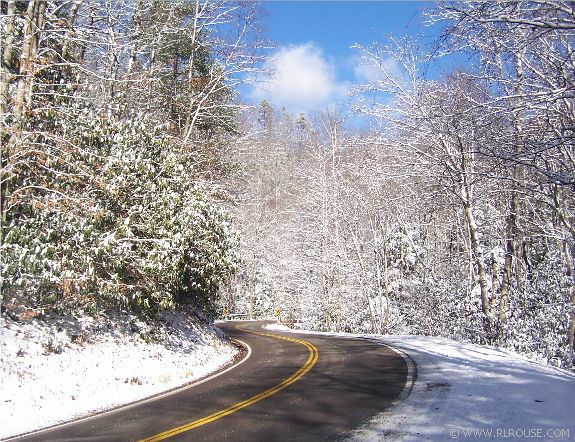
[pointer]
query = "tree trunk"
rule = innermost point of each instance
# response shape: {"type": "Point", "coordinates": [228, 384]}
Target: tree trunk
{"type": "Point", "coordinates": [568, 223]}
{"type": "Point", "coordinates": [70, 33]}
{"type": "Point", "coordinates": [494, 280]}
{"type": "Point", "coordinates": [6, 77]}
{"type": "Point", "coordinates": [34, 23]}
{"type": "Point", "coordinates": [32, 28]}
{"type": "Point", "coordinates": [477, 257]}
{"type": "Point", "coordinates": [7, 67]}
{"type": "Point", "coordinates": [510, 253]}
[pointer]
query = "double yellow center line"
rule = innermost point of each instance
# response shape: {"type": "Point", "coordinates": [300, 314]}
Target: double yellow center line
{"type": "Point", "coordinates": [311, 360]}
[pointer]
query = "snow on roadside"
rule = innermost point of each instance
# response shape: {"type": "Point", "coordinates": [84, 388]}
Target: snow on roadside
{"type": "Point", "coordinates": [64, 368]}
{"type": "Point", "coordinates": [467, 391]}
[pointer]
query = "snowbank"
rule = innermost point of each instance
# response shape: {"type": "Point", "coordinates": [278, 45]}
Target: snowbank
{"type": "Point", "coordinates": [64, 368]}
{"type": "Point", "coordinates": [466, 391]}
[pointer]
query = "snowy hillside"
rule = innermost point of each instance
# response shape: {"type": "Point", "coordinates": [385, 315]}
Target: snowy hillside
{"type": "Point", "coordinates": [467, 391]}
{"type": "Point", "coordinates": [64, 368]}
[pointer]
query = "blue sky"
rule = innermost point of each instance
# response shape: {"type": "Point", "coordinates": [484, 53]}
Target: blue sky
{"type": "Point", "coordinates": [312, 58]}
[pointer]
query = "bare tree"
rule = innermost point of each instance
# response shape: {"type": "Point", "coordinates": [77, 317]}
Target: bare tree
{"type": "Point", "coordinates": [525, 51]}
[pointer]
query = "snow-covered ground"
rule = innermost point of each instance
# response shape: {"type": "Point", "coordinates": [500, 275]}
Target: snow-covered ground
{"type": "Point", "coordinates": [64, 368]}
{"type": "Point", "coordinates": [56, 371]}
{"type": "Point", "coordinates": [472, 392]}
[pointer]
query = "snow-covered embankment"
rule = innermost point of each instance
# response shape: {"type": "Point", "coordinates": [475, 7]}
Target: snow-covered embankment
{"type": "Point", "coordinates": [63, 368]}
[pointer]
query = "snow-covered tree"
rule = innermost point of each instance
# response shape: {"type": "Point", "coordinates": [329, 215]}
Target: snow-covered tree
{"type": "Point", "coordinates": [101, 204]}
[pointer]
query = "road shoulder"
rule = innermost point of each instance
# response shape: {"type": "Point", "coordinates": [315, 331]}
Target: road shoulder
{"type": "Point", "coordinates": [466, 390]}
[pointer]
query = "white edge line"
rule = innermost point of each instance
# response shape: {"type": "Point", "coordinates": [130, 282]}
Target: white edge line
{"type": "Point", "coordinates": [139, 402]}
{"type": "Point", "coordinates": [405, 392]}
{"type": "Point", "coordinates": [411, 365]}
{"type": "Point", "coordinates": [372, 424]}
{"type": "Point", "coordinates": [411, 369]}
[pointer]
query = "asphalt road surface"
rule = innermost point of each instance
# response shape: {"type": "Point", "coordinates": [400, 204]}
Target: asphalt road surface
{"type": "Point", "coordinates": [295, 388]}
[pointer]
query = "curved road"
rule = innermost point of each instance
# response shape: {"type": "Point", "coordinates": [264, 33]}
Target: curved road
{"type": "Point", "coordinates": [296, 387]}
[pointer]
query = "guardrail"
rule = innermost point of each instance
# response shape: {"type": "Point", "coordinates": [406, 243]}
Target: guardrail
{"type": "Point", "coordinates": [233, 316]}
{"type": "Point", "coordinates": [284, 320]}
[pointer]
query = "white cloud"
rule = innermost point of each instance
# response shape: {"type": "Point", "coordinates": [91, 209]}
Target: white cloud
{"type": "Point", "coordinates": [369, 71]}
{"type": "Point", "coordinates": [301, 79]}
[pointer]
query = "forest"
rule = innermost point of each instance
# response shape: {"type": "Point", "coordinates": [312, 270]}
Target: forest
{"type": "Point", "coordinates": [136, 176]}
